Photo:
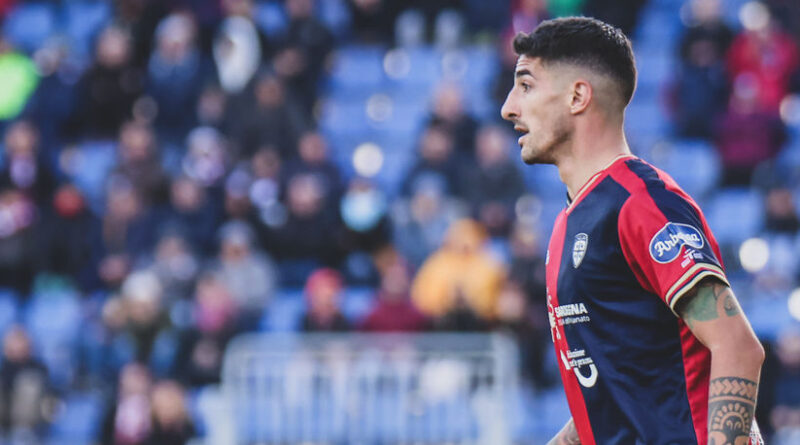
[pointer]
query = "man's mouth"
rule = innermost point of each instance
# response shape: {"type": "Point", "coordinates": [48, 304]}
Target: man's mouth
{"type": "Point", "coordinates": [522, 130]}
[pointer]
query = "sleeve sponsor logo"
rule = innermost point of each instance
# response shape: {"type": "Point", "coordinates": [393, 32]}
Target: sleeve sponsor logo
{"type": "Point", "coordinates": [667, 243]}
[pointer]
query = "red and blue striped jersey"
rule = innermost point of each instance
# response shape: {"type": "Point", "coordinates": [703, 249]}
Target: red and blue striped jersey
{"type": "Point", "coordinates": [622, 254]}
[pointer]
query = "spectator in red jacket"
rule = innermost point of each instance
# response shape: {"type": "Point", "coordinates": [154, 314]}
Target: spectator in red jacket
{"type": "Point", "coordinates": [767, 53]}
{"type": "Point", "coordinates": [393, 310]}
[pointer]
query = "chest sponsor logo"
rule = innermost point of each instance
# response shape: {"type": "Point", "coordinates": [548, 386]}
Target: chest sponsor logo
{"type": "Point", "coordinates": [667, 243]}
{"type": "Point", "coordinates": [579, 248]}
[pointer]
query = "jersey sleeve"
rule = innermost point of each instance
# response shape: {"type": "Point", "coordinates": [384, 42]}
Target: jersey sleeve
{"type": "Point", "coordinates": [667, 244]}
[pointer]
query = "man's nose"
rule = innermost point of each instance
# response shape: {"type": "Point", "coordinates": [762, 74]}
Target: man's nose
{"type": "Point", "coordinates": [509, 109]}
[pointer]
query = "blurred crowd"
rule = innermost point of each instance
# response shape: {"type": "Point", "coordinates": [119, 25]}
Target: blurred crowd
{"type": "Point", "coordinates": [174, 178]}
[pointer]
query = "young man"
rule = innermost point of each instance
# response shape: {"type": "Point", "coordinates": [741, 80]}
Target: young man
{"type": "Point", "coordinates": [652, 345]}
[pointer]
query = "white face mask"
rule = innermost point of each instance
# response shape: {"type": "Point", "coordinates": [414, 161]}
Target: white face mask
{"type": "Point", "coordinates": [362, 210]}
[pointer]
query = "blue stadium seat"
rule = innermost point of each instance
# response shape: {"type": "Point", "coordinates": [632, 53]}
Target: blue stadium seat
{"type": "Point", "coordinates": [735, 214]}
{"type": "Point", "coordinates": [29, 25]}
{"type": "Point", "coordinates": [357, 68]}
{"type": "Point", "coordinates": [54, 320]}
{"type": "Point", "coordinates": [646, 118]}
{"type": "Point", "coordinates": [89, 168]}
{"type": "Point", "coordinates": [9, 306]}
{"type": "Point", "coordinates": [344, 117]}
{"type": "Point", "coordinates": [78, 420]}
{"type": "Point", "coordinates": [284, 311]}
{"type": "Point", "coordinates": [270, 17]}
{"type": "Point", "coordinates": [425, 66]}
{"type": "Point", "coordinates": [356, 302]}
{"type": "Point", "coordinates": [83, 20]}
{"type": "Point", "coordinates": [694, 164]}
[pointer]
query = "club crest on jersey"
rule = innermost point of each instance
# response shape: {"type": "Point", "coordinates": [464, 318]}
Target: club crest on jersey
{"type": "Point", "coordinates": [668, 242]}
{"type": "Point", "coordinates": [579, 248]}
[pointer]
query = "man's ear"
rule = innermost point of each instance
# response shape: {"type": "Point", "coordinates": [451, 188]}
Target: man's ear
{"type": "Point", "coordinates": [581, 96]}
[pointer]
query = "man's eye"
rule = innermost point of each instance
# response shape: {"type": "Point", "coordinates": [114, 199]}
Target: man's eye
{"type": "Point", "coordinates": [525, 87]}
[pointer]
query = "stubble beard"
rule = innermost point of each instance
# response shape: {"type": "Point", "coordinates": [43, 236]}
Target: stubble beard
{"type": "Point", "coordinates": [545, 150]}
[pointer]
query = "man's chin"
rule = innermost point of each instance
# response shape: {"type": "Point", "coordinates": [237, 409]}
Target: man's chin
{"type": "Point", "coordinates": [531, 157]}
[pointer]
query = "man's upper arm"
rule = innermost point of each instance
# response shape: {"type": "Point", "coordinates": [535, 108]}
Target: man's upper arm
{"type": "Point", "coordinates": [713, 314]}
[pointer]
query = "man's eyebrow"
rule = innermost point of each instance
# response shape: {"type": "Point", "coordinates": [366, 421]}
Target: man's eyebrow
{"type": "Point", "coordinates": [523, 72]}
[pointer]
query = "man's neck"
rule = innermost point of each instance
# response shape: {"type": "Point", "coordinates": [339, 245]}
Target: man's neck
{"type": "Point", "coordinates": [588, 156]}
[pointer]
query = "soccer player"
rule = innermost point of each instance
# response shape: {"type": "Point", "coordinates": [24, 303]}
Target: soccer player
{"type": "Point", "coordinates": [652, 345]}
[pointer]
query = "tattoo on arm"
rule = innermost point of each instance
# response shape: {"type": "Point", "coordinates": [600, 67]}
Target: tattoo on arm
{"type": "Point", "coordinates": [731, 403]}
{"type": "Point", "coordinates": [709, 300]}
{"type": "Point", "coordinates": [567, 436]}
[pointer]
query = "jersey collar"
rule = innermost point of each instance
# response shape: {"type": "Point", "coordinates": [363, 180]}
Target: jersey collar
{"type": "Point", "coordinates": [586, 188]}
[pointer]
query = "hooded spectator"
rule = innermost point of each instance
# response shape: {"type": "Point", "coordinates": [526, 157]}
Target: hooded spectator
{"type": "Point", "coordinates": [462, 273]}
{"type": "Point", "coordinates": [323, 292]}
{"type": "Point", "coordinates": [248, 273]}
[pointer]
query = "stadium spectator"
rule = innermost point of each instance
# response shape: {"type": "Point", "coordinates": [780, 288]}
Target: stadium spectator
{"type": "Point", "coordinates": [421, 221]}
{"type": "Point", "coordinates": [494, 185]}
{"type": "Point", "coordinates": [449, 114]}
{"type": "Point", "coordinates": [192, 213]}
{"type": "Point", "coordinates": [436, 159]}
{"type": "Point", "coordinates": [207, 157]}
{"type": "Point", "coordinates": [527, 14]}
{"type": "Point", "coordinates": [175, 74]}
{"type": "Point", "coordinates": [142, 295]}
{"type": "Point", "coordinates": [323, 292]}
{"type": "Point", "coordinates": [71, 238]}
{"type": "Point", "coordinates": [302, 54]}
{"type": "Point", "coordinates": [746, 135]}
{"type": "Point", "coordinates": [516, 317]}
{"type": "Point", "coordinates": [18, 259]}
{"type": "Point", "coordinates": [269, 119]}
{"type": "Point", "coordinates": [701, 83]}
{"type": "Point", "coordinates": [238, 47]}
{"type": "Point", "coordinates": [106, 346]}
{"type": "Point", "coordinates": [176, 266]}
{"type": "Point", "coordinates": [765, 53]}
{"type": "Point", "coordinates": [127, 420]}
{"type": "Point", "coordinates": [462, 273]}
{"type": "Point", "coordinates": [215, 314]}
{"type": "Point", "coordinates": [314, 159]}
{"type": "Point", "coordinates": [311, 230]}
{"type": "Point", "coordinates": [52, 105]}
{"type": "Point", "coordinates": [211, 108]}
{"type": "Point", "coordinates": [364, 210]}
{"type": "Point", "coordinates": [19, 74]}
{"type": "Point", "coordinates": [171, 422]}
{"type": "Point", "coordinates": [781, 212]}
{"type": "Point", "coordinates": [783, 394]}
{"type": "Point", "coordinates": [527, 264]}
{"type": "Point", "coordinates": [109, 88]}
{"type": "Point", "coordinates": [246, 272]}
{"type": "Point", "coordinates": [139, 162]}
{"type": "Point", "coordinates": [24, 167]}
{"type": "Point", "coordinates": [393, 310]}
{"type": "Point", "coordinates": [264, 193]}
{"type": "Point", "coordinates": [127, 229]}
{"type": "Point", "coordinates": [26, 403]}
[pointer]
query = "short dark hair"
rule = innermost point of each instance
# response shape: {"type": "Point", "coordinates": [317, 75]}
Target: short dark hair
{"type": "Point", "coordinates": [585, 42]}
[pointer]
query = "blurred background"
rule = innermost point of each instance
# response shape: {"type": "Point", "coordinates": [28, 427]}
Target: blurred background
{"type": "Point", "coordinates": [217, 215]}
